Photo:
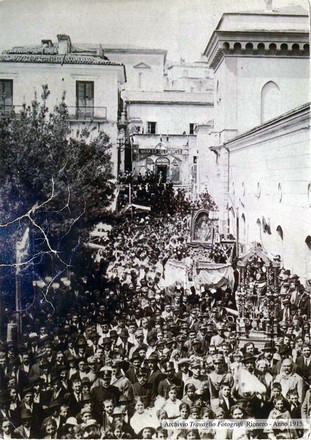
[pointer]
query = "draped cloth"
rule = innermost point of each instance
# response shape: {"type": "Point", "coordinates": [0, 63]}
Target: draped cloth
{"type": "Point", "coordinates": [212, 274]}
{"type": "Point", "coordinates": [216, 275]}
{"type": "Point", "coordinates": [175, 271]}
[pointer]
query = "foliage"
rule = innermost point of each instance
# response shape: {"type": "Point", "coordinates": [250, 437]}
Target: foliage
{"type": "Point", "coordinates": [55, 184]}
{"type": "Point", "coordinates": [205, 201]}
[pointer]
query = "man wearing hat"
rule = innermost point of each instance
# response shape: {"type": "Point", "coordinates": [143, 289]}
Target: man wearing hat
{"type": "Point", "coordinates": [184, 372]}
{"type": "Point", "coordinates": [155, 374]}
{"type": "Point", "coordinates": [196, 377]}
{"type": "Point", "coordinates": [21, 377]}
{"type": "Point", "coordinates": [91, 429]}
{"type": "Point", "coordinates": [123, 341]}
{"type": "Point", "coordinates": [142, 388]}
{"type": "Point", "coordinates": [71, 350]}
{"type": "Point", "coordinates": [104, 390]}
{"type": "Point", "coordinates": [139, 336]}
{"type": "Point", "coordinates": [25, 429]}
{"type": "Point", "coordinates": [105, 342]}
{"type": "Point", "coordinates": [171, 379]}
{"type": "Point", "coordinates": [118, 416]}
{"type": "Point", "coordinates": [57, 413]}
{"type": "Point", "coordinates": [35, 408]}
{"type": "Point", "coordinates": [268, 351]}
{"type": "Point", "coordinates": [83, 370]}
{"type": "Point", "coordinates": [220, 337]}
{"type": "Point", "coordinates": [119, 380]}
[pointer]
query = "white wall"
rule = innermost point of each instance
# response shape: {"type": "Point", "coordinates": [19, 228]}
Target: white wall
{"type": "Point", "coordinates": [28, 79]}
{"type": "Point", "coordinates": [152, 78]}
{"type": "Point", "coordinates": [170, 118]}
{"type": "Point", "coordinates": [240, 81]}
{"type": "Point", "coordinates": [279, 161]}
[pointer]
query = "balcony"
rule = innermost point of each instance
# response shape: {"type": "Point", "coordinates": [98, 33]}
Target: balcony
{"type": "Point", "coordinates": [87, 113]}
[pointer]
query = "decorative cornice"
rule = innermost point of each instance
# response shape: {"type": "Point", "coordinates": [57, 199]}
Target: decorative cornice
{"type": "Point", "coordinates": [258, 44]}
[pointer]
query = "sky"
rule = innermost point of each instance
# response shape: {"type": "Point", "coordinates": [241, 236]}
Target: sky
{"type": "Point", "coordinates": [182, 27]}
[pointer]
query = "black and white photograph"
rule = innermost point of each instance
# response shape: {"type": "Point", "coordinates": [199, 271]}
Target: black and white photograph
{"type": "Point", "coordinates": [155, 219]}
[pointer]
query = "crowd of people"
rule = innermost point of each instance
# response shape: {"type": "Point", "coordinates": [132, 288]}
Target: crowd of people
{"type": "Point", "coordinates": [118, 354]}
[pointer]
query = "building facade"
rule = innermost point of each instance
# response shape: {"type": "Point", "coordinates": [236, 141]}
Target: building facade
{"type": "Point", "coordinates": [255, 160]}
{"type": "Point", "coordinates": [90, 81]}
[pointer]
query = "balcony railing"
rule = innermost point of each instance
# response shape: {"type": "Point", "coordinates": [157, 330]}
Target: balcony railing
{"type": "Point", "coordinates": [74, 113]}
{"type": "Point", "coordinates": [87, 113]}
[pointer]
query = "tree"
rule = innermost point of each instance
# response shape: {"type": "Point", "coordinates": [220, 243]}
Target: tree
{"type": "Point", "coordinates": [53, 183]}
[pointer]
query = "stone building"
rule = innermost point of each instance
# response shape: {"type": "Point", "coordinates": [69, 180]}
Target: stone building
{"type": "Point", "coordinates": [255, 160]}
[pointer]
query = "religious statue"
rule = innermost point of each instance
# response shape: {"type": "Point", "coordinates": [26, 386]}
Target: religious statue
{"type": "Point", "coordinates": [202, 230]}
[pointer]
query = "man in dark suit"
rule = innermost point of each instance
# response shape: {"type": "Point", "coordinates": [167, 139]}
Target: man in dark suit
{"type": "Point", "coordinates": [303, 362]}
{"type": "Point", "coordinates": [25, 430]}
{"type": "Point", "coordinates": [171, 379]}
{"type": "Point", "coordinates": [224, 401]}
{"type": "Point", "coordinates": [267, 353]}
{"type": "Point", "coordinates": [36, 409]}
{"type": "Point", "coordinates": [74, 398]}
{"type": "Point", "coordinates": [104, 391]}
{"type": "Point", "coordinates": [155, 375]}
{"type": "Point", "coordinates": [21, 377]}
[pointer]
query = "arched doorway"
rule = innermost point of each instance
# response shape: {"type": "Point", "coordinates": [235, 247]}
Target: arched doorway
{"type": "Point", "coordinates": [162, 168]}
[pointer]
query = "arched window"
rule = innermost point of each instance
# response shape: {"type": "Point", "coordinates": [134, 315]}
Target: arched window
{"type": "Point", "coordinates": [258, 231]}
{"type": "Point", "coordinates": [270, 101]}
{"type": "Point", "coordinates": [232, 222]}
{"type": "Point", "coordinates": [308, 254]}
{"type": "Point", "coordinates": [279, 230]}
{"type": "Point", "coordinates": [243, 233]}
{"type": "Point", "coordinates": [140, 80]}
{"type": "Point", "coordinates": [280, 242]}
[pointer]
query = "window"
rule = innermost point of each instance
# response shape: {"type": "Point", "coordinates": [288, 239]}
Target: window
{"type": "Point", "coordinates": [192, 128]}
{"type": "Point", "coordinates": [175, 173]}
{"type": "Point", "coordinates": [151, 127]}
{"type": "Point", "coordinates": [85, 99]}
{"type": "Point", "coordinates": [270, 101]}
{"type": "Point", "coordinates": [140, 80]}
{"type": "Point", "coordinates": [6, 96]}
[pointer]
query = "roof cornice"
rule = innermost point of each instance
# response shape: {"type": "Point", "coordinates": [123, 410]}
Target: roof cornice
{"type": "Point", "coordinates": [56, 59]}
{"type": "Point", "coordinates": [297, 118]}
{"type": "Point", "coordinates": [289, 43]}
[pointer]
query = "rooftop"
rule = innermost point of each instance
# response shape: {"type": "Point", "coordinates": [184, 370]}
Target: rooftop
{"type": "Point", "coordinates": [55, 59]}
{"type": "Point", "coordinates": [61, 52]}
{"type": "Point", "coordinates": [286, 10]}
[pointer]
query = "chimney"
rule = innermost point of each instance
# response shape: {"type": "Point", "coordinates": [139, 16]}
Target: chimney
{"type": "Point", "coordinates": [46, 43]}
{"type": "Point", "coordinates": [268, 5]}
{"type": "Point", "coordinates": [64, 44]}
